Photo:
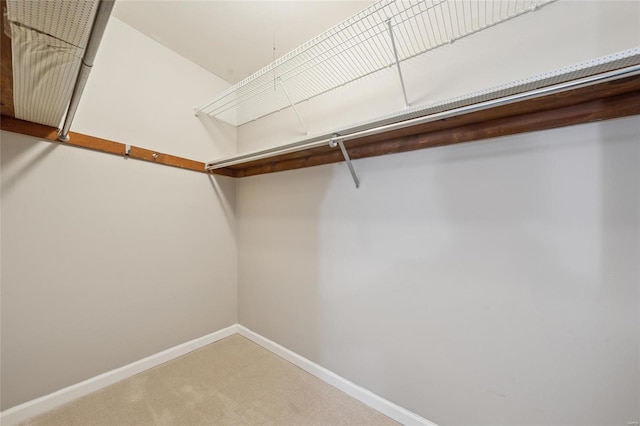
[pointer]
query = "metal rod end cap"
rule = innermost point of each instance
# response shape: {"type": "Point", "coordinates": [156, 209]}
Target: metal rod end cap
{"type": "Point", "coordinates": [63, 138]}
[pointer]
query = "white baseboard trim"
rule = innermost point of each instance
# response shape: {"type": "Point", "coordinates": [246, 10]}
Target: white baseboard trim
{"type": "Point", "coordinates": [29, 409]}
{"type": "Point", "coordinates": [22, 412]}
{"type": "Point", "coordinates": [374, 401]}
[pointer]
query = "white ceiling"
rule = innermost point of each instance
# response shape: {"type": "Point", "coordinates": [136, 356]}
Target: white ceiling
{"type": "Point", "coordinates": [233, 39]}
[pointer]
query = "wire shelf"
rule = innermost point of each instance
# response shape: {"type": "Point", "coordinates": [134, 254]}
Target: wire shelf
{"type": "Point", "coordinates": [359, 46]}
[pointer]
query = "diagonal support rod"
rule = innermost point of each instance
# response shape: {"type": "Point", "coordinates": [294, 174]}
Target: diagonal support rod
{"type": "Point", "coordinates": [304, 126]}
{"type": "Point", "coordinates": [395, 53]}
{"type": "Point", "coordinates": [335, 141]}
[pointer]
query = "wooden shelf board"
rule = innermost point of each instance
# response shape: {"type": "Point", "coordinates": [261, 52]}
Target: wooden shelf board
{"type": "Point", "coordinates": [102, 145]}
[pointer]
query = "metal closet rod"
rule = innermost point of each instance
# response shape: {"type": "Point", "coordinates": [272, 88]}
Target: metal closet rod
{"type": "Point", "coordinates": [95, 36]}
{"type": "Point", "coordinates": [329, 138]}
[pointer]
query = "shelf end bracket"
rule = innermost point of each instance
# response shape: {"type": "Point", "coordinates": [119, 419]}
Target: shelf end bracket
{"type": "Point", "coordinates": [337, 141]}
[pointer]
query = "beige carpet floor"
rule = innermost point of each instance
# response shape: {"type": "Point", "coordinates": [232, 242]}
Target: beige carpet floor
{"type": "Point", "coordinates": [230, 382]}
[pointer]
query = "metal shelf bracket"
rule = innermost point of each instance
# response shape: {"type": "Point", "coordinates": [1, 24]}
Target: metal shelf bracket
{"type": "Point", "coordinates": [395, 54]}
{"type": "Point", "coordinates": [337, 141]}
{"type": "Point", "coordinates": [304, 126]}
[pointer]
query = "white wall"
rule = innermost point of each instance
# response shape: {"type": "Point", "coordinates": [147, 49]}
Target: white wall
{"type": "Point", "coordinates": [557, 35]}
{"type": "Point", "coordinates": [106, 260]}
{"type": "Point", "coordinates": [493, 283]}
{"type": "Point", "coordinates": [479, 284]}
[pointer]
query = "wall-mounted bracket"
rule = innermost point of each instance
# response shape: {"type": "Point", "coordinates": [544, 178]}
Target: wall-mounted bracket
{"type": "Point", "coordinates": [304, 126]}
{"type": "Point", "coordinates": [337, 141]}
{"type": "Point", "coordinates": [127, 150]}
{"type": "Point", "coordinates": [395, 53]}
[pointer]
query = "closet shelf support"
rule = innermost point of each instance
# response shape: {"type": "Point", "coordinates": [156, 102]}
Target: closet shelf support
{"type": "Point", "coordinates": [304, 126]}
{"type": "Point", "coordinates": [336, 140]}
{"type": "Point", "coordinates": [395, 54]}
